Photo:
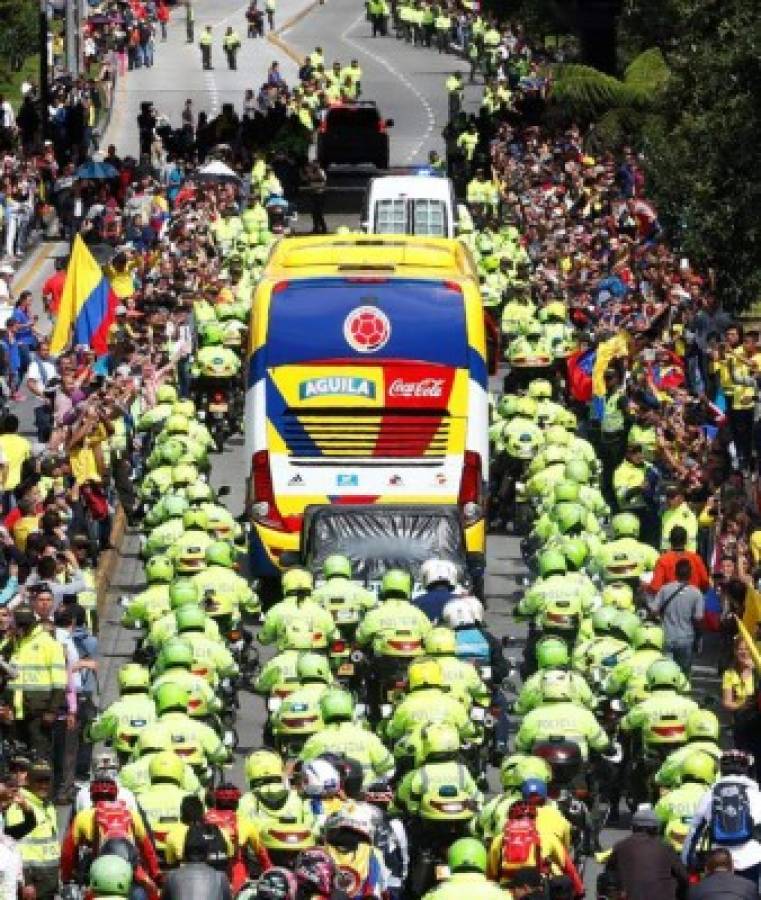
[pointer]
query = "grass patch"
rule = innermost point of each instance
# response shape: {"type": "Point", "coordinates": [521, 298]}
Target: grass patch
{"type": "Point", "coordinates": [10, 82]}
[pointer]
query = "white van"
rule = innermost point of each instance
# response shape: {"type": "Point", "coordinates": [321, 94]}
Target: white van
{"type": "Point", "coordinates": [411, 204]}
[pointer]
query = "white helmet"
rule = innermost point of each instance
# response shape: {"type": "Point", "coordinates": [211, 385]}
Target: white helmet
{"type": "Point", "coordinates": [106, 763]}
{"type": "Point", "coordinates": [435, 570]}
{"type": "Point", "coordinates": [462, 612]}
{"type": "Point", "coordinates": [319, 779]}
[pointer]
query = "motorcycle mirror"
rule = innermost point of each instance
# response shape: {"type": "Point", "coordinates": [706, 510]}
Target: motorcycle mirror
{"type": "Point", "coordinates": [223, 491]}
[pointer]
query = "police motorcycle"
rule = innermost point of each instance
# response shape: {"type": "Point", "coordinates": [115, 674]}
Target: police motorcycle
{"type": "Point", "coordinates": [216, 385]}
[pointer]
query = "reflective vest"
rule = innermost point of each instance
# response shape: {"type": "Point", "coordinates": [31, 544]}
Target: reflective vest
{"type": "Point", "coordinates": [40, 666]}
{"type": "Point", "coordinates": [612, 416]}
{"type": "Point", "coordinates": [40, 849]}
{"type": "Point", "coordinates": [646, 437]}
{"type": "Point", "coordinates": [205, 40]}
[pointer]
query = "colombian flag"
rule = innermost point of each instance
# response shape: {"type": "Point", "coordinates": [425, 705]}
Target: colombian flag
{"type": "Point", "coordinates": [88, 304]}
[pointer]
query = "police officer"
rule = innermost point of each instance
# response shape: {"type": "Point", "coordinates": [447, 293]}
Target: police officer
{"type": "Point", "coordinates": [36, 689]}
{"type": "Point", "coordinates": [231, 45]}
{"type": "Point", "coordinates": [466, 860]}
{"type": "Point", "coordinates": [205, 43]}
{"type": "Point", "coordinates": [123, 720]}
{"type": "Point", "coordinates": [40, 849]}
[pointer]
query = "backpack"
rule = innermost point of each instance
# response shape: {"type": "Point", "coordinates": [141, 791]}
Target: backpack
{"type": "Point", "coordinates": [521, 844]}
{"type": "Point", "coordinates": [113, 821]}
{"type": "Point", "coordinates": [731, 822]}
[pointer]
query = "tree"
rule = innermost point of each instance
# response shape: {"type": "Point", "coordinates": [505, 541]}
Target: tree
{"type": "Point", "coordinates": [617, 108]}
{"type": "Point", "coordinates": [704, 158]}
{"type": "Point", "coordinates": [19, 33]}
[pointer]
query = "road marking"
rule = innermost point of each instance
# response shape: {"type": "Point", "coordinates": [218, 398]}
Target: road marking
{"type": "Point", "coordinates": [397, 74]}
{"type": "Point", "coordinates": [211, 90]}
{"type": "Point", "coordinates": [38, 258]}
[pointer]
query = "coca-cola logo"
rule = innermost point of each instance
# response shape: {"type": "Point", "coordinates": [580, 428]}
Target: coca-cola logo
{"type": "Point", "coordinates": [425, 387]}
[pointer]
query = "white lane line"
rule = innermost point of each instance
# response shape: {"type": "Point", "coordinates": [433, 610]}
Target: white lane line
{"type": "Point", "coordinates": [397, 74]}
{"type": "Point", "coordinates": [211, 89]}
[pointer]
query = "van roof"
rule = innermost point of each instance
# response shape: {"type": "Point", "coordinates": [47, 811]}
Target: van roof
{"type": "Point", "coordinates": [391, 254]}
{"type": "Point", "coordinates": [434, 187]}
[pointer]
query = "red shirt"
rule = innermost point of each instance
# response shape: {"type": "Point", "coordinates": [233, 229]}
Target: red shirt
{"type": "Point", "coordinates": [53, 289]}
{"type": "Point", "coordinates": [665, 570]}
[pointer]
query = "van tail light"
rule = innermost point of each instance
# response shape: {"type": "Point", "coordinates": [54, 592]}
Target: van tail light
{"type": "Point", "coordinates": [381, 126]}
{"type": "Point", "coordinates": [264, 508]}
{"type": "Point", "coordinates": [470, 499]}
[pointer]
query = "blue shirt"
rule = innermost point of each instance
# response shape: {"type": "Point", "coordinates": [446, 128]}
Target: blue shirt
{"type": "Point", "coordinates": [432, 603]}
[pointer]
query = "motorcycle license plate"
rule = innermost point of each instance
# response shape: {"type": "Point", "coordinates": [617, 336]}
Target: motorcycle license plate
{"type": "Point", "coordinates": [218, 407]}
{"type": "Point", "coordinates": [442, 872]}
{"type": "Point", "coordinates": [346, 669]}
{"type": "Point", "coordinates": [345, 616]}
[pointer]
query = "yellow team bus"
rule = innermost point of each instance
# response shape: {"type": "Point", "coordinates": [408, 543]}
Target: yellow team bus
{"type": "Point", "coordinates": [367, 383]}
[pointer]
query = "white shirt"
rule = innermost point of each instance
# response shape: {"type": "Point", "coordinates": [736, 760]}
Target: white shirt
{"type": "Point", "coordinates": [41, 370]}
{"type": "Point", "coordinates": [743, 856]}
{"type": "Point", "coordinates": [11, 875]}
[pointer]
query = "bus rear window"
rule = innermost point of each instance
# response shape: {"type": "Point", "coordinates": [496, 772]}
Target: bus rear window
{"type": "Point", "coordinates": [429, 217]}
{"type": "Point", "coordinates": [390, 216]}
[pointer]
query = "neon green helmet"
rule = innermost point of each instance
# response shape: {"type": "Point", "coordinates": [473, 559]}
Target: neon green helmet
{"type": "Point", "coordinates": [195, 518]}
{"type": "Point", "coordinates": [263, 764]}
{"type": "Point", "coordinates": [618, 594]}
{"type": "Point", "coordinates": [337, 566]}
{"type": "Point", "coordinates": [176, 424]}
{"type": "Point", "coordinates": [603, 620]}
{"type": "Point", "coordinates": [183, 592]}
{"type": "Point", "coordinates": [467, 855]}
{"type": "Point", "coordinates": [396, 584]}
{"type": "Point", "coordinates": [551, 562]}
{"type": "Point", "coordinates": [110, 876]}
{"type": "Point", "coordinates": [175, 506]}
{"type": "Point", "coordinates": [552, 455]}
{"type": "Point", "coordinates": [337, 706]}
{"type": "Point", "coordinates": [552, 653]}
{"type": "Point", "coordinates": [212, 334]}
{"type": "Point", "coordinates": [664, 674]}
{"type": "Point", "coordinates": [133, 679]}
{"type": "Point", "coordinates": [159, 570]}
{"type": "Point", "coordinates": [200, 492]}
{"type": "Point", "coordinates": [648, 636]}
{"type": "Point", "coordinates": [170, 697]}
{"type": "Point", "coordinates": [184, 474]}
{"type": "Point", "coordinates": [440, 739]}
{"type": "Point", "coordinates": [576, 553]}
{"type": "Point", "coordinates": [441, 641]}
{"type": "Point", "coordinates": [190, 618]}
{"type": "Point", "coordinates": [220, 553]}
{"type": "Point", "coordinates": [508, 406]}
{"type": "Point", "coordinates": [297, 582]}
{"type": "Point", "coordinates": [526, 406]}
{"type": "Point", "coordinates": [540, 389]}
{"type": "Point", "coordinates": [700, 767]}
{"type": "Point", "coordinates": [312, 667]}
{"type": "Point", "coordinates": [569, 517]}
{"type": "Point", "coordinates": [166, 766]}
{"type": "Point", "coordinates": [703, 725]}
{"type": "Point", "coordinates": [518, 767]}
{"type": "Point", "coordinates": [175, 654]}
{"type": "Point", "coordinates": [625, 525]}
{"type": "Point", "coordinates": [185, 408]}
{"type": "Point", "coordinates": [166, 393]}
{"type": "Point", "coordinates": [626, 624]}
{"type": "Point", "coordinates": [172, 452]}
{"type": "Point", "coordinates": [567, 492]}
{"type": "Point", "coordinates": [578, 470]}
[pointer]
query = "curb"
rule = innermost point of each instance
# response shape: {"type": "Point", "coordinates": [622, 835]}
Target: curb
{"type": "Point", "coordinates": [109, 560]}
{"type": "Point", "coordinates": [274, 36]}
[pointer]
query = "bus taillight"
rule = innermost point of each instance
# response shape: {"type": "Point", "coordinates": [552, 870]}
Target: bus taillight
{"type": "Point", "coordinates": [470, 499]}
{"type": "Point", "coordinates": [264, 509]}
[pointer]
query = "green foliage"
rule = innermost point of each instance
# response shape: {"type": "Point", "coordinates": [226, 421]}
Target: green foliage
{"type": "Point", "coordinates": [616, 107]}
{"type": "Point", "coordinates": [19, 23]}
{"type": "Point", "coordinates": [704, 158]}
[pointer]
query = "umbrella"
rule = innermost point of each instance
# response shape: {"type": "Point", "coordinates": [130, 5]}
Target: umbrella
{"type": "Point", "coordinates": [96, 171]}
{"type": "Point", "coordinates": [217, 171]}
